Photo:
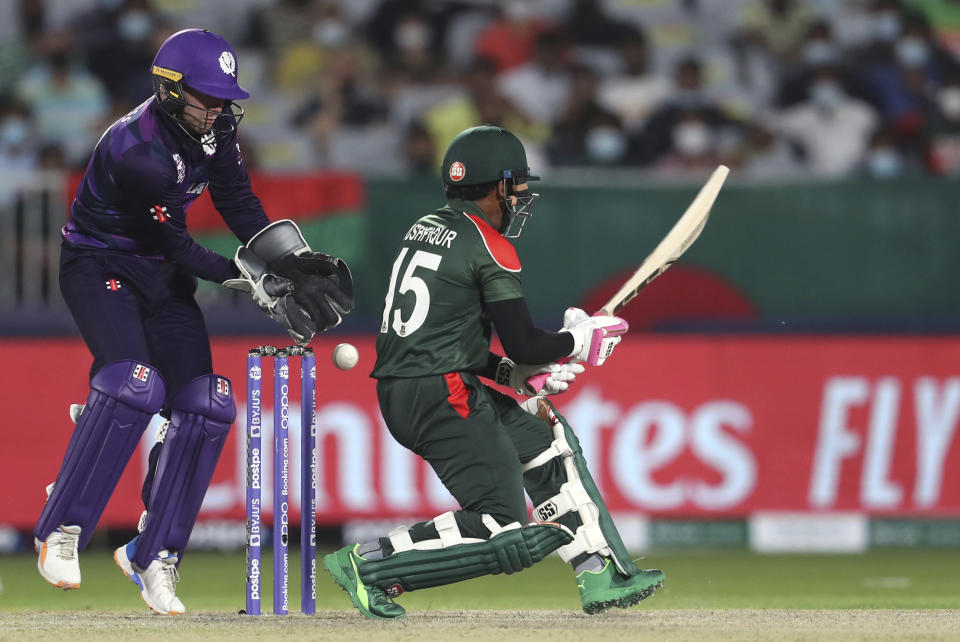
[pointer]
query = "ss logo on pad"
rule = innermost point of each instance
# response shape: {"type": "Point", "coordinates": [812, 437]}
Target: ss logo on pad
{"type": "Point", "coordinates": [547, 511]}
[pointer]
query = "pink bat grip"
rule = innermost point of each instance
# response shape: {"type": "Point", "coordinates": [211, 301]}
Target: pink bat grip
{"type": "Point", "coordinates": [538, 381]}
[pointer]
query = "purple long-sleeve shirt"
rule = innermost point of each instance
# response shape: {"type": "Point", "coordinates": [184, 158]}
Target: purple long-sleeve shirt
{"type": "Point", "coordinates": [143, 176]}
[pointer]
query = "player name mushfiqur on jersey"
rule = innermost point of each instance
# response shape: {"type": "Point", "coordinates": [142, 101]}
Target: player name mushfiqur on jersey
{"type": "Point", "coordinates": [430, 234]}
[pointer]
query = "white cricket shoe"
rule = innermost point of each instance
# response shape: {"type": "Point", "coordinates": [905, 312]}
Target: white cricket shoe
{"type": "Point", "coordinates": [158, 583]}
{"type": "Point", "coordinates": [58, 562]}
{"type": "Point", "coordinates": [76, 409]}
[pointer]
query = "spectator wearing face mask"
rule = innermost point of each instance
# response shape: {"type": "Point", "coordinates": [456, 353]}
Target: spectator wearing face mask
{"type": "Point", "coordinates": [830, 127]}
{"type": "Point", "coordinates": [117, 41]}
{"type": "Point", "coordinates": [884, 23]}
{"type": "Point", "coordinates": [904, 87]}
{"type": "Point", "coordinates": [586, 133]}
{"type": "Point", "coordinates": [884, 159]}
{"type": "Point", "coordinates": [412, 49]}
{"type": "Point", "coordinates": [344, 97]}
{"type": "Point", "coordinates": [689, 95]}
{"type": "Point", "coordinates": [314, 47]}
{"type": "Point", "coordinates": [697, 145]}
{"type": "Point", "coordinates": [408, 39]}
{"type": "Point", "coordinates": [819, 48]}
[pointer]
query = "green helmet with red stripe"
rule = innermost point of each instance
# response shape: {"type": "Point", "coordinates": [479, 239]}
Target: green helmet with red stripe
{"type": "Point", "coordinates": [481, 155]}
{"type": "Point", "coordinates": [490, 154]}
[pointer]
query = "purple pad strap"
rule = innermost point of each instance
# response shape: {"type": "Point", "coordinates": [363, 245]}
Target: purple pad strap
{"type": "Point", "coordinates": [202, 413]}
{"type": "Point", "coordinates": [124, 395]}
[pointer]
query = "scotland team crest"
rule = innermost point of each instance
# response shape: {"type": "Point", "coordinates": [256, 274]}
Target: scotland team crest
{"type": "Point", "coordinates": [228, 63]}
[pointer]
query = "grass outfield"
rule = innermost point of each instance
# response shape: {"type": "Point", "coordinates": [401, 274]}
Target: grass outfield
{"type": "Point", "coordinates": [919, 592]}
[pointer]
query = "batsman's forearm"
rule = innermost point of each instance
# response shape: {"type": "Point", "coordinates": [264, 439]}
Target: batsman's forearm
{"type": "Point", "coordinates": [522, 341]}
{"type": "Point", "coordinates": [539, 346]}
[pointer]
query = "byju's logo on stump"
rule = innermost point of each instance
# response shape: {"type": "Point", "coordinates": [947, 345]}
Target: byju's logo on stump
{"type": "Point", "coordinates": [457, 171]}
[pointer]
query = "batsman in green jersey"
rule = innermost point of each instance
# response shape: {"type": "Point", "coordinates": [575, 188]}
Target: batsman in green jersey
{"type": "Point", "coordinates": [456, 277]}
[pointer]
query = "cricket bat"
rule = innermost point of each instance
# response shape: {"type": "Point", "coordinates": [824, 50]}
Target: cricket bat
{"type": "Point", "coordinates": [677, 241]}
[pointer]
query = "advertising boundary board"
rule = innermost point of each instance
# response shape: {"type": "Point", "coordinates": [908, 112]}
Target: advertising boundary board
{"type": "Point", "coordinates": [674, 428]}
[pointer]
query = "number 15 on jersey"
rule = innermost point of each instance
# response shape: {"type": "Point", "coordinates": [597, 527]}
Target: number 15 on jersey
{"type": "Point", "coordinates": [409, 283]}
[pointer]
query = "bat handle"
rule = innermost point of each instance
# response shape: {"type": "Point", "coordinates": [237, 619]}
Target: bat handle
{"type": "Point", "coordinates": [536, 382]}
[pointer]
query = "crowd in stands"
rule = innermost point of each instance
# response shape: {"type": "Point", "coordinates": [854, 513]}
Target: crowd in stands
{"type": "Point", "coordinates": [774, 88]}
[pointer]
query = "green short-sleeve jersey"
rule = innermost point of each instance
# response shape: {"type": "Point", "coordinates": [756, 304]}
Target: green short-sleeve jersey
{"type": "Point", "coordinates": [450, 263]}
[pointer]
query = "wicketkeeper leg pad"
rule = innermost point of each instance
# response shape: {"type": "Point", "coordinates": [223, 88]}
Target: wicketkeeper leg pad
{"type": "Point", "coordinates": [199, 423]}
{"type": "Point", "coordinates": [452, 558]}
{"type": "Point", "coordinates": [124, 396]}
{"type": "Point", "coordinates": [597, 534]}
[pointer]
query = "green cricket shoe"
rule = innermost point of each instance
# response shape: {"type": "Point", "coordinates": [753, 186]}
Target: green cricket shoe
{"type": "Point", "coordinates": [599, 590]}
{"type": "Point", "coordinates": [369, 600]}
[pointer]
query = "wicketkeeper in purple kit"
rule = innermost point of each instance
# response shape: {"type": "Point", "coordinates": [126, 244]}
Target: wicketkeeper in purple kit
{"type": "Point", "coordinates": [128, 273]}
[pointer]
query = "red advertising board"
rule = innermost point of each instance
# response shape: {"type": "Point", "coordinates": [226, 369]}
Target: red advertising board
{"type": "Point", "coordinates": [671, 426]}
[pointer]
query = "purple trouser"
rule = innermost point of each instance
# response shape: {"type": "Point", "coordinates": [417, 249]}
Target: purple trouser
{"type": "Point", "coordinates": [128, 307]}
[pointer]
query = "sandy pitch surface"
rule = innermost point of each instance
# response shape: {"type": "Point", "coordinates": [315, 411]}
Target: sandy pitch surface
{"type": "Point", "coordinates": [773, 624]}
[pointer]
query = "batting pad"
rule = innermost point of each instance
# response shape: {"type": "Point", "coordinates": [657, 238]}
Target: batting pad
{"type": "Point", "coordinates": [597, 534]}
{"type": "Point", "coordinates": [509, 551]}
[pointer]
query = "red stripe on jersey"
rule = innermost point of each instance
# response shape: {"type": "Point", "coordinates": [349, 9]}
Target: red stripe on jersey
{"type": "Point", "coordinates": [499, 248]}
{"type": "Point", "coordinates": [458, 394]}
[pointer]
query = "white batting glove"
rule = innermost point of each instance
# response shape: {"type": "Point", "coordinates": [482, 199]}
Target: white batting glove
{"type": "Point", "coordinates": [594, 338]}
{"type": "Point", "coordinates": [559, 376]}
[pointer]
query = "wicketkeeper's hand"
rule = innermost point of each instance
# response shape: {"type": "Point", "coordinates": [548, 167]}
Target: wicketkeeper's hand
{"type": "Point", "coordinates": [559, 377]}
{"type": "Point", "coordinates": [322, 284]}
{"type": "Point", "coordinates": [594, 338]}
{"type": "Point", "coordinates": [272, 294]}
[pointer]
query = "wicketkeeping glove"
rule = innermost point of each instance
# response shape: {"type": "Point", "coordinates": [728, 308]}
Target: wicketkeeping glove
{"type": "Point", "coordinates": [559, 377]}
{"type": "Point", "coordinates": [314, 289]}
{"type": "Point", "coordinates": [322, 284]}
{"type": "Point", "coordinates": [594, 338]}
{"type": "Point", "coordinates": [272, 294]}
